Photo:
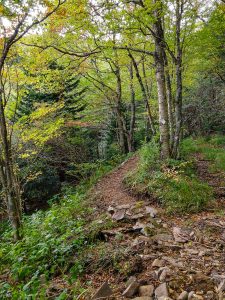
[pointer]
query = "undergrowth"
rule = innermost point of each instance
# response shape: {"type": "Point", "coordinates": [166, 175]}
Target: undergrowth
{"type": "Point", "coordinates": [212, 149]}
{"type": "Point", "coordinates": [53, 245]}
{"type": "Point", "coordinates": [173, 183]}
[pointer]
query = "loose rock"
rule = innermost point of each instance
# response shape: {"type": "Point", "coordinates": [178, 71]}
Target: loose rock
{"type": "Point", "coordinates": [119, 215]}
{"type": "Point", "coordinates": [190, 295]}
{"type": "Point", "coordinates": [164, 274]}
{"type": "Point", "coordinates": [183, 296]}
{"type": "Point", "coordinates": [180, 235]}
{"type": "Point", "coordinates": [158, 263]}
{"type": "Point", "coordinates": [161, 291]}
{"type": "Point", "coordinates": [103, 292]}
{"type": "Point", "coordinates": [131, 290]}
{"type": "Point", "coordinates": [162, 237]}
{"type": "Point", "coordinates": [146, 290]}
{"type": "Point", "coordinates": [151, 210]}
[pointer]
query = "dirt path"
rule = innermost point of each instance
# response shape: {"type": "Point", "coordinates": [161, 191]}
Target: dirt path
{"type": "Point", "coordinates": [167, 255]}
{"type": "Point", "coordinates": [111, 189]}
{"type": "Point", "coordinates": [215, 179]}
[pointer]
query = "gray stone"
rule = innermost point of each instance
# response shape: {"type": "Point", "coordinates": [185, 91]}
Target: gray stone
{"type": "Point", "coordinates": [131, 290]}
{"type": "Point", "coordinates": [151, 210]}
{"type": "Point", "coordinates": [164, 298]}
{"type": "Point", "coordinates": [162, 237]}
{"type": "Point", "coordinates": [146, 290]}
{"type": "Point", "coordinates": [123, 206]}
{"type": "Point", "coordinates": [180, 235]}
{"type": "Point", "coordinates": [143, 227]}
{"type": "Point", "coordinates": [158, 263]}
{"type": "Point", "coordinates": [119, 215]}
{"type": "Point", "coordinates": [183, 296]}
{"type": "Point", "coordinates": [159, 271]}
{"type": "Point", "coordinates": [173, 262]}
{"type": "Point", "coordinates": [137, 216]}
{"type": "Point", "coordinates": [161, 291]}
{"type": "Point", "coordinates": [103, 292]}
{"type": "Point", "coordinates": [164, 274]}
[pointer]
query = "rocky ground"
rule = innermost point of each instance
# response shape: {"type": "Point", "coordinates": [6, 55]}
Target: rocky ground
{"type": "Point", "coordinates": [166, 257]}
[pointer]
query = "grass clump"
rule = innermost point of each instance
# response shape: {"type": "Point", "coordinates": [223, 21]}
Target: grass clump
{"type": "Point", "coordinates": [53, 244]}
{"type": "Point", "coordinates": [173, 183]}
{"type": "Point", "coordinates": [211, 148]}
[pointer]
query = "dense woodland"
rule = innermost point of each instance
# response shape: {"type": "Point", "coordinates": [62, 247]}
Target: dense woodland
{"type": "Point", "coordinates": [84, 86]}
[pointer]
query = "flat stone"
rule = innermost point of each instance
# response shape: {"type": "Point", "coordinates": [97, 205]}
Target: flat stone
{"type": "Point", "coordinates": [131, 290]}
{"type": "Point", "coordinates": [180, 235]}
{"type": "Point", "coordinates": [123, 206]}
{"type": "Point", "coordinates": [164, 298]}
{"type": "Point", "coordinates": [161, 291]}
{"type": "Point", "coordinates": [162, 237]}
{"type": "Point", "coordinates": [119, 215]}
{"type": "Point", "coordinates": [158, 263]}
{"type": "Point", "coordinates": [151, 210]}
{"type": "Point", "coordinates": [173, 262]}
{"type": "Point", "coordinates": [146, 290]}
{"type": "Point", "coordinates": [137, 216]}
{"type": "Point", "coordinates": [183, 296]}
{"type": "Point", "coordinates": [140, 240]}
{"type": "Point", "coordinates": [103, 292]}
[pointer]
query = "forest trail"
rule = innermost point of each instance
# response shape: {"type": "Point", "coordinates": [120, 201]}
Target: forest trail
{"type": "Point", "coordinates": [111, 188]}
{"type": "Point", "coordinates": [173, 257]}
{"type": "Point", "coordinates": [215, 179]}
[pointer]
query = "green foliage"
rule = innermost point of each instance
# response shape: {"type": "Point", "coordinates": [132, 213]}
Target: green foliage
{"type": "Point", "coordinates": [173, 183]}
{"type": "Point", "coordinates": [217, 140]}
{"type": "Point", "coordinates": [181, 193]}
{"type": "Point", "coordinates": [52, 244]}
{"type": "Point", "coordinates": [211, 147]}
{"type": "Point", "coordinates": [41, 182]}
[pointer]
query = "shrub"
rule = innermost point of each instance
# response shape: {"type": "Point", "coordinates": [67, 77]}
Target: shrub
{"type": "Point", "coordinates": [173, 182]}
{"type": "Point", "coordinates": [52, 244]}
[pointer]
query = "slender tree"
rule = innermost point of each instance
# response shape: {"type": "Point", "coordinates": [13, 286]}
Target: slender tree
{"type": "Point", "coordinates": [20, 26]}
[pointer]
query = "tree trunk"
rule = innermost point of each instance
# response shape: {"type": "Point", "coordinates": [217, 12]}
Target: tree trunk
{"type": "Point", "coordinates": [8, 178]}
{"type": "Point", "coordinates": [144, 93]}
{"type": "Point", "coordinates": [130, 136]}
{"type": "Point", "coordinates": [161, 86]}
{"type": "Point", "coordinates": [169, 99]}
{"type": "Point", "coordinates": [178, 99]}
